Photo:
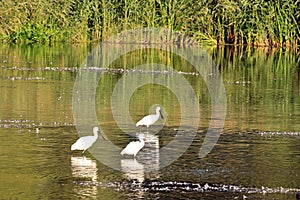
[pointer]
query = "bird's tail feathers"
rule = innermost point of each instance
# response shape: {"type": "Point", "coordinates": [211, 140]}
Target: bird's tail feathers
{"type": "Point", "coordinates": [77, 146]}
{"type": "Point", "coordinates": [73, 147]}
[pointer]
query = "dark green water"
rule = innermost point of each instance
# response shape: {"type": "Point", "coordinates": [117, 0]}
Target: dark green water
{"type": "Point", "coordinates": [257, 155]}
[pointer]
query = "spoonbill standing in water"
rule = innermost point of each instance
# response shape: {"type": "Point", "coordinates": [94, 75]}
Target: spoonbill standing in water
{"type": "Point", "coordinates": [86, 142]}
{"type": "Point", "coordinates": [134, 147]}
{"type": "Point", "coordinates": [150, 119]}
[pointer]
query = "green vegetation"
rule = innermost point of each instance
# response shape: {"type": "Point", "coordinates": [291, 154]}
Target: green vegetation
{"type": "Point", "coordinates": [258, 22]}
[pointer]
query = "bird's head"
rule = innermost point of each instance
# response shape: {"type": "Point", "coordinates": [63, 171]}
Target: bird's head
{"type": "Point", "coordinates": [95, 129]}
{"type": "Point", "coordinates": [142, 137]}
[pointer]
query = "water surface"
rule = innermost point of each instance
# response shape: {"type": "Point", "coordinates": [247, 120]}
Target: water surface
{"type": "Point", "coordinates": [257, 155]}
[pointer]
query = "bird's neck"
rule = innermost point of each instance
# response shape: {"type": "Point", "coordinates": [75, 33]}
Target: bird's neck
{"type": "Point", "coordinates": [96, 133]}
{"type": "Point", "coordinates": [157, 112]}
{"type": "Point", "coordinates": [142, 141]}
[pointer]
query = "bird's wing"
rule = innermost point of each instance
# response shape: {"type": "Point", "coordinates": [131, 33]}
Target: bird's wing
{"type": "Point", "coordinates": [130, 148]}
{"type": "Point", "coordinates": [88, 141]}
{"type": "Point", "coordinates": [141, 122]}
{"type": "Point", "coordinates": [144, 121]}
{"type": "Point", "coordinates": [77, 145]}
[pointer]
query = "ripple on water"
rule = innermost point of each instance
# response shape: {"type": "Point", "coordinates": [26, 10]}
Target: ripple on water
{"type": "Point", "coordinates": [28, 124]}
{"type": "Point", "coordinates": [277, 133]}
{"type": "Point", "coordinates": [193, 189]}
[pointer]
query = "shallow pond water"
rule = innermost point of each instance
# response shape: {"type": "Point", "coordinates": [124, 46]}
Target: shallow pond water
{"type": "Point", "coordinates": [257, 155]}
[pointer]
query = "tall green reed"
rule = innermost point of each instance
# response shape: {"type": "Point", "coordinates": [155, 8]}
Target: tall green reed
{"type": "Point", "coordinates": [258, 22]}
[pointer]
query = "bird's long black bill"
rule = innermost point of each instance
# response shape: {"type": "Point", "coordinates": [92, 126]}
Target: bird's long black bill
{"type": "Point", "coordinates": [161, 115]}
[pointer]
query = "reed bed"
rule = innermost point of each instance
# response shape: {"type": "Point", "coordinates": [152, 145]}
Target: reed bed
{"type": "Point", "coordinates": [257, 22]}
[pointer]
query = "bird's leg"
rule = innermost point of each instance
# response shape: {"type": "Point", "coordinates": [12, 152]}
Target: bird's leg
{"type": "Point", "coordinates": [150, 144]}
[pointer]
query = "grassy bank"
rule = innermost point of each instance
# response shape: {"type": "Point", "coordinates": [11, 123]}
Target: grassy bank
{"type": "Point", "coordinates": [257, 22]}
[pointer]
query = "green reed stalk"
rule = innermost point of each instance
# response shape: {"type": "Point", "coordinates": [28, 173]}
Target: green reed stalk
{"type": "Point", "coordinates": [256, 22]}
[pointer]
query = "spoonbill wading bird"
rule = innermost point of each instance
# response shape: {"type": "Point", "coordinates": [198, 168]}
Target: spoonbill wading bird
{"type": "Point", "coordinates": [134, 147]}
{"type": "Point", "coordinates": [150, 119]}
{"type": "Point", "coordinates": [86, 142]}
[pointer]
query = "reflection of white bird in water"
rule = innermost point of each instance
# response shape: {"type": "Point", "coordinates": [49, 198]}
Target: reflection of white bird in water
{"type": "Point", "coordinates": [134, 147]}
{"type": "Point", "coordinates": [86, 142]}
{"type": "Point", "coordinates": [150, 119]}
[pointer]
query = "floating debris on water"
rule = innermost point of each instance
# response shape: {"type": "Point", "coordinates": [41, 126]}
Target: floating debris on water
{"type": "Point", "coordinates": [274, 133]}
{"type": "Point", "coordinates": [24, 123]}
{"type": "Point", "coordinates": [239, 82]}
{"type": "Point", "coordinates": [105, 70]}
{"type": "Point", "coordinates": [25, 78]}
{"type": "Point", "coordinates": [158, 186]}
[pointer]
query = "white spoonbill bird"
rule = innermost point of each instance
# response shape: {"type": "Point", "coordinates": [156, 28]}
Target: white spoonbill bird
{"type": "Point", "coordinates": [86, 142]}
{"type": "Point", "coordinates": [150, 119]}
{"type": "Point", "coordinates": [134, 147]}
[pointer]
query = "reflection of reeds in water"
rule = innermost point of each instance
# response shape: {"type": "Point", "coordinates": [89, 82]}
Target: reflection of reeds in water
{"type": "Point", "coordinates": [247, 74]}
{"type": "Point", "coordinates": [262, 87]}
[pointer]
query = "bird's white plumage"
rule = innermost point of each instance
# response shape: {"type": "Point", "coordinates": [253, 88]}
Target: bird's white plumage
{"type": "Point", "coordinates": [150, 119]}
{"type": "Point", "coordinates": [86, 142]}
{"type": "Point", "coordinates": [134, 147]}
